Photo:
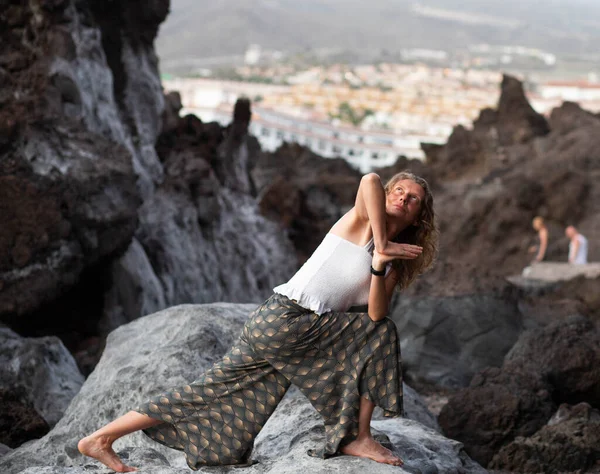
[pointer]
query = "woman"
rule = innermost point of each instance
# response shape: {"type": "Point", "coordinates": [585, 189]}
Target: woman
{"type": "Point", "coordinates": [345, 363]}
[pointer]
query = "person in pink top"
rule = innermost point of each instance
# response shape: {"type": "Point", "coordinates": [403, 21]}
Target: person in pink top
{"type": "Point", "coordinates": [345, 363]}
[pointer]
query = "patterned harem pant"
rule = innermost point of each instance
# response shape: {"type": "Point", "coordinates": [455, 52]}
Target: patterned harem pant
{"type": "Point", "coordinates": [334, 359]}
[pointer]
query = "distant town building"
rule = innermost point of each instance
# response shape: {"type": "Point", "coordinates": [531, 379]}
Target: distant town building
{"type": "Point", "coordinates": [418, 105]}
{"type": "Point", "coordinates": [547, 96]}
{"type": "Point", "coordinates": [363, 149]}
{"type": "Point", "coordinates": [205, 96]}
{"type": "Point", "coordinates": [575, 91]}
{"type": "Point", "coordinates": [253, 55]}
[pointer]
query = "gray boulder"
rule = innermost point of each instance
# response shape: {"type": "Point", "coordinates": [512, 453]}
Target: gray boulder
{"type": "Point", "coordinates": [98, 198]}
{"type": "Point", "coordinates": [446, 339]}
{"type": "Point", "coordinates": [557, 271]}
{"type": "Point", "coordinates": [168, 348]}
{"type": "Point", "coordinates": [4, 449]}
{"type": "Point", "coordinates": [43, 369]}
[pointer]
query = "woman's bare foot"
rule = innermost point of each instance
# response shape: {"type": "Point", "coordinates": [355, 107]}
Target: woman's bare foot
{"type": "Point", "coordinates": [367, 447]}
{"type": "Point", "coordinates": [100, 448]}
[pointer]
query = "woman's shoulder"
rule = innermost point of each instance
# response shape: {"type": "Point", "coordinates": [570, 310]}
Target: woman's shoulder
{"type": "Point", "coordinates": [352, 228]}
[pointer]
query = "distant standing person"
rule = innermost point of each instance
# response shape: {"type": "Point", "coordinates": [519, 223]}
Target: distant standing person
{"type": "Point", "coordinates": [578, 246]}
{"type": "Point", "coordinates": [539, 226]}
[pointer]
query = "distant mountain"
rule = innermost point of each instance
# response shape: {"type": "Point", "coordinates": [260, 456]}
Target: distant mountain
{"type": "Point", "coordinates": [208, 28]}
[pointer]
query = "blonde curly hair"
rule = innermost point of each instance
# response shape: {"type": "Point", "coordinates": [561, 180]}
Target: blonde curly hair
{"type": "Point", "coordinates": [425, 233]}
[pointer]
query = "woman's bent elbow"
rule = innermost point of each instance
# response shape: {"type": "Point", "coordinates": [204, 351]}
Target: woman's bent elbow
{"type": "Point", "coordinates": [377, 316]}
{"type": "Point", "coordinates": [371, 177]}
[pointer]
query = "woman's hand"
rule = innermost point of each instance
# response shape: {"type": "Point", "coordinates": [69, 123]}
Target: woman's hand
{"type": "Point", "coordinates": [403, 252]}
{"type": "Point", "coordinates": [394, 250]}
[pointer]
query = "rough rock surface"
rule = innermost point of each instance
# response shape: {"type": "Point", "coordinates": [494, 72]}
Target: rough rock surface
{"type": "Point", "coordinates": [570, 442]}
{"type": "Point", "coordinates": [553, 271]}
{"type": "Point", "coordinates": [492, 140]}
{"type": "Point", "coordinates": [499, 405]}
{"type": "Point", "coordinates": [19, 420]}
{"type": "Point", "coordinates": [544, 302]}
{"type": "Point", "coordinates": [567, 354]}
{"type": "Point", "coordinates": [202, 231]}
{"type": "Point", "coordinates": [173, 346]}
{"type": "Point", "coordinates": [473, 331]}
{"type": "Point", "coordinates": [79, 114]}
{"type": "Point", "coordinates": [4, 449]}
{"type": "Point", "coordinates": [113, 206]}
{"type": "Point", "coordinates": [415, 409]}
{"type": "Point", "coordinates": [547, 366]}
{"type": "Point", "coordinates": [489, 183]}
{"type": "Point", "coordinates": [40, 373]}
{"type": "Point", "coordinates": [307, 194]}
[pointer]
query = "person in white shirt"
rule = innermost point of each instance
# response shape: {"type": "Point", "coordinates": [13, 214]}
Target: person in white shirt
{"type": "Point", "coordinates": [344, 362]}
{"type": "Point", "coordinates": [578, 246]}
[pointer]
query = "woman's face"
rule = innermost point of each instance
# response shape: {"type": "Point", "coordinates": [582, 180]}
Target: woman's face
{"type": "Point", "coordinates": [404, 201]}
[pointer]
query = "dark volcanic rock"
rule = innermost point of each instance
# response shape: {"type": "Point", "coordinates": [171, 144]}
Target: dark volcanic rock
{"type": "Point", "coordinates": [499, 137]}
{"type": "Point", "coordinates": [547, 366]}
{"type": "Point", "coordinates": [515, 120]}
{"type": "Point", "coordinates": [305, 193]}
{"type": "Point", "coordinates": [485, 224]}
{"type": "Point", "coordinates": [570, 442]}
{"type": "Point", "coordinates": [19, 420]}
{"type": "Point", "coordinates": [170, 116]}
{"type": "Point", "coordinates": [472, 329]}
{"type": "Point", "coordinates": [102, 217]}
{"type": "Point", "coordinates": [79, 119]}
{"type": "Point", "coordinates": [462, 154]}
{"type": "Point", "coordinates": [239, 152]}
{"type": "Point", "coordinates": [39, 374]}
{"type": "Point", "coordinates": [68, 201]}
{"type": "Point", "coordinates": [499, 405]}
{"type": "Point", "coordinates": [567, 354]}
{"type": "Point", "coordinates": [546, 302]}
{"type": "Point", "coordinates": [201, 236]}
{"type": "Point", "coordinates": [490, 182]}
{"type": "Point", "coordinates": [585, 292]}
{"type": "Point", "coordinates": [570, 117]}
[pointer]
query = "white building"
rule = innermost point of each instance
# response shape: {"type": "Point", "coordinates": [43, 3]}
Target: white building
{"type": "Point", "coordinates": [363, 149]}
{"type": "Point", "coordinates": [253, 54]}
{"type": "Point", "coordinates": [205, 96]}
{"type": "Point", "coordinates": [552, 94]}
{"type": "Point", "coordinates": [576, 91]}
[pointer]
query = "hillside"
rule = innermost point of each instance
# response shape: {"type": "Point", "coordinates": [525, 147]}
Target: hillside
{"type": "Point", "coordinates": [228, 27]}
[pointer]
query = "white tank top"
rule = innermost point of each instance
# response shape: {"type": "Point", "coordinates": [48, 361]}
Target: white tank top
{"type": "Point", "coordinates": [582, 250]}
{"type": "Point", "coordinates": [336, 277]}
